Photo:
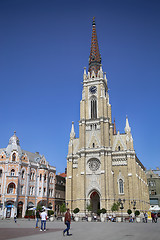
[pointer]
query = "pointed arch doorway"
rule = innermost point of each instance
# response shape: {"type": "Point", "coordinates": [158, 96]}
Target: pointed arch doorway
{"type": "Point", "coordinates": [95, 201]}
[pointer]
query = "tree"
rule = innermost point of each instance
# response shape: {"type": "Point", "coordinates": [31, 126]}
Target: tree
{"type": "Point", "coordinates": [98, 212]}
{"type": "Point", "coordinates": [39, 208]}
{"type": "Point", "coordinates": [137, 212]}
{"type": "Point", "coordinates": [63, 208]}
{"type": "Point", "coordinates": [76, 210]}
{"type": "Point", "coordinates": [89, 207]}
{"type": "Point", "coordinates": [50, 212]}
{"type": "Point", "coordinates": [115, 207]}
{"type": "Point", "coordinates": [103, 210]}
{"type": "Point", "coordinates": [129, 211]}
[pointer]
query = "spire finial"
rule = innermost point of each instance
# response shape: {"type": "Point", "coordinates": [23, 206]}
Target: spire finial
{"type": "Point", "coordinates": [72, 134]}
{"type": "Point", "coordinates": [127, 128]}
{"type": "Point", "coordinates": [93, 22]}
{"type": "Point", "coordinates": [14, 132]}
{"type": "Point", "coordinates": [114, 128]}
{"type": "Point", "coordinates": [95, 57]}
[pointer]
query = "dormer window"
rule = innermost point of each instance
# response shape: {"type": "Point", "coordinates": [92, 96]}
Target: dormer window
{"type": "Point", "coordinates": [13, 157]}
{"type": "Point", "coordinates": [119, 148]}
{"type": "Point", "coordinates": [12, 172]}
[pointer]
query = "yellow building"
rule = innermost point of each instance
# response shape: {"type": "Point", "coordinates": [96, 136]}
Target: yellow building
{"type": "Point", "coordinates": [102, 166]}
{"type": "Point", "coordinates": [26, 179]}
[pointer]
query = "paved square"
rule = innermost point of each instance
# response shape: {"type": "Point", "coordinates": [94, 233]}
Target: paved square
{"type": "Point", "coordinates": [25, 230]}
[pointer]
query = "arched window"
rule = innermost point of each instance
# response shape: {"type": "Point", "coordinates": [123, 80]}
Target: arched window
{"type": "Point", "coordinates": [119, 148]}
{"type": "Point", "coordinates": [93, 108]}
{"type": "Point", "coordinates": [32, 176]}
{"type": "Point", "coordinates": [40, 177]}
{"type": "Point", "coordinates": [12, 172]}
{"type": "Point", "coordinates": [51, 179]}
{"type": "Point", "coordinates": [11, 188]}
{"type": "Point", "coordinates": [13, 157]}
{"type": "Point", "coordinates": [23, 174]}
{"type": "Point", "coordinates": [121, 187]}
{"type": "Point", "coordinates": [0, 173]}
{"type": "Point", "coordinates": [44, 177]}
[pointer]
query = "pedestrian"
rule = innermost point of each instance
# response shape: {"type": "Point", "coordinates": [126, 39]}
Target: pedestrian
{"type": "Point", "coordinates": [67, 221]}
{"type": "Point", "coordinates": [145, 217]}
{"type": "Point", "coordinates": [37, 218]}
{"type": "Point", "coordinates": [155, 217]}
{"type": "Point", "coordinates": [152, 216]}
{"type": "Point", "coordinates": [43, 220]}
{"type": "Point", "coordinates": [15, 217]}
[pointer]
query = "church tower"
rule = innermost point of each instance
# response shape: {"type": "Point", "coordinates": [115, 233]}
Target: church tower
{"type": "Point", "coordinates": [100, 161]}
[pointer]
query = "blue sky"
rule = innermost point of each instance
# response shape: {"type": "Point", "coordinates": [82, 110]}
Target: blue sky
{"type": "Point", "coordinates": [45, 45]}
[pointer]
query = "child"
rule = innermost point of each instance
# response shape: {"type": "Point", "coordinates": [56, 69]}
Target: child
{"type": "Point", "coordinates": [15, 218]}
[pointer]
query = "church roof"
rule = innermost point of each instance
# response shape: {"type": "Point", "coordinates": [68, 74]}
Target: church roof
{"type": "Point", "coordinates": [95, 57]}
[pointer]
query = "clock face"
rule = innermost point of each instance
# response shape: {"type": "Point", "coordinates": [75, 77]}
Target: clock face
{"type": "Point", "coordinates": [93, 89]}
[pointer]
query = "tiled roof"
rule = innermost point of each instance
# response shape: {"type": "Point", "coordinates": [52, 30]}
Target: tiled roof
{"type": "Point", "coordinates": [95, 57]}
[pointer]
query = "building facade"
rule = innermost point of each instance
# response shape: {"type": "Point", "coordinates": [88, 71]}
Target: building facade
{"type": "Point", "coordinates": [102, 166]}
{"type": "Point", "coordinates": [26, 179]}
{"type": "Point", "coordinates": [153, 179]}
{"type": "Point", "coordinates": [59, 192]}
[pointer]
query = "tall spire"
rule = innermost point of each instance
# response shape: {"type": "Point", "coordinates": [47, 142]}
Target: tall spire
{"type": "Point", "coordinates": [95, 57]}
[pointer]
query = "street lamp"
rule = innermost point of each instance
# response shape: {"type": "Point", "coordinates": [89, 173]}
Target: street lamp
{"type": "Point", "coordinates": [134, 205]}
{"type": "Point", "coordinates": [121, 201]}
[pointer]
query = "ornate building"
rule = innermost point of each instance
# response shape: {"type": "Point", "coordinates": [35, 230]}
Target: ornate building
{"type": "Point", "coordinates": [59, 192]}
{"type": "Point", "coordinates": [26, 179]}
{"type": "Point", "coordinates": [102, 166]}
{"type": "Point", "coordinates": [153, 179]}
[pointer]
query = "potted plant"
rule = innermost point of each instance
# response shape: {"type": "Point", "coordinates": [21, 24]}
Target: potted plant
{"type": "Point", "coordinates": [137, 213]}
{"type": "Point", "coordinates": [63, 210]}
{"type": "Point", "coordinates": [115, 208]}
{"type": "Point", "coordinates": [50, 215]}
{"type": "Point", "coordinates": [129, 211]}
{"type": "Point", "coordinates": [103, 212]}
{"type": "Point", "coordinates": [76, 210]}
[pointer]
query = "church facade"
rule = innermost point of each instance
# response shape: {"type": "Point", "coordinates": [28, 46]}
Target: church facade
{"type": "Point", "coordinates": [102, 166]}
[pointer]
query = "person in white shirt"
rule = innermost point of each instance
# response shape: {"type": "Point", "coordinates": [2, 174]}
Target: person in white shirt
{"type": "Point", "coordinates": [43, 220]}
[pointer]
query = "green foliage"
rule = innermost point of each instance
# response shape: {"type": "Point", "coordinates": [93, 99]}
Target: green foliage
{"type": "Point", "coordinates": [103, 210]}
{"type": "Point", "coordinates": [39, 207]}
{"type": "Point", "coordinates": [63, 208]}
{"type": "Point", "coordinates": [137, 212]}
{"type": "Point", "coordinates": [50, 212]}
{"type": "Point", "coordinates": [98, 212]}
{"type": "Point", "coordinates": [115, 207]}
{"type": "Point", "coordinates": [76, 210]}
{"type": "Point", "coordinates": [29, 213]}
{"type": "Point", "coordinates": [89, 207]}
{"type": "Point", "coordinates": [129, 211]}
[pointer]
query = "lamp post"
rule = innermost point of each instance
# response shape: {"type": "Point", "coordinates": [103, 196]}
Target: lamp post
{"type": "Point", "coordinates": [121, 201]}
{"type": "Point", "coordinates": [134, 205]}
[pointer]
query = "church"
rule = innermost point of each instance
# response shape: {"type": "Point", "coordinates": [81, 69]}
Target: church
{"type": "Point", "coordinates": [102, 166]}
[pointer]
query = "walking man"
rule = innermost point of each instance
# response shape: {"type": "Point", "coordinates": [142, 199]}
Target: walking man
{"type": "Point", "coordinates": [67, 221]}
{"type": "Point", "coordinates": [43, 220]}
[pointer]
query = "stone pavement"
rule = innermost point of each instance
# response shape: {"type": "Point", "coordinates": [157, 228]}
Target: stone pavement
{"type": "Point", "coordinates": [25, 230]}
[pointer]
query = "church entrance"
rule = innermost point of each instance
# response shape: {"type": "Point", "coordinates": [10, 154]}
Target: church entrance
{"type": "Point", "coordinates": [95, 201]}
